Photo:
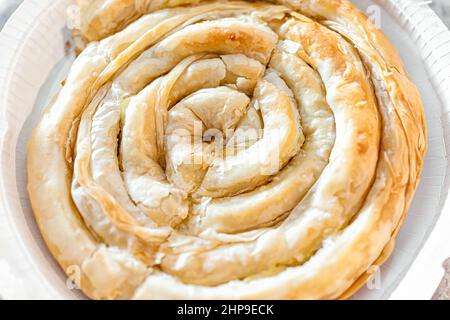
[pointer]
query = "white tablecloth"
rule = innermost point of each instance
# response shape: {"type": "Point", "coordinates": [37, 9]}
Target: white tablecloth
{"type": "Point", "coordinates": [7, 7]}
{"type": "Point", "coordinates": [442, 8]}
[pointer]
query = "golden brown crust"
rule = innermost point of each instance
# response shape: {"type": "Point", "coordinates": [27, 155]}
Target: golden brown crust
{"type": "Point", "coordinates": [319, 84]}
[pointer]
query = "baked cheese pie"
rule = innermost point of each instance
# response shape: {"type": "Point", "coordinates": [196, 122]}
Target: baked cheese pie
{"type": "Point", "coordinates": [227, 150]}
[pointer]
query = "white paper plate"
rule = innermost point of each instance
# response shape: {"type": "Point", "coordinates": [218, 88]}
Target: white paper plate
{"type": "Point", "coordinates": [33, 61]}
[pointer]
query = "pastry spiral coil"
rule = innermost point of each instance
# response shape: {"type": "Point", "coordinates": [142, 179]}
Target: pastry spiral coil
{"type": "Point", "coordinates": [227, 150]}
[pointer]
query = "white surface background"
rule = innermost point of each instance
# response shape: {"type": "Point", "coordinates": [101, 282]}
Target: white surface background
{"type": "Point", "coordinates": [7, 7]}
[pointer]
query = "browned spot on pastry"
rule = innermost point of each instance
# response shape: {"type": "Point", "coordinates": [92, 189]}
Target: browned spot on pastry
{"type": "Point", "coordinates": [361, 144]}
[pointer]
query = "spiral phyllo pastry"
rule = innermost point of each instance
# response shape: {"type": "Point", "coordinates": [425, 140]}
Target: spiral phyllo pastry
{"type": "Point", "coordinates": [227, 150]}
